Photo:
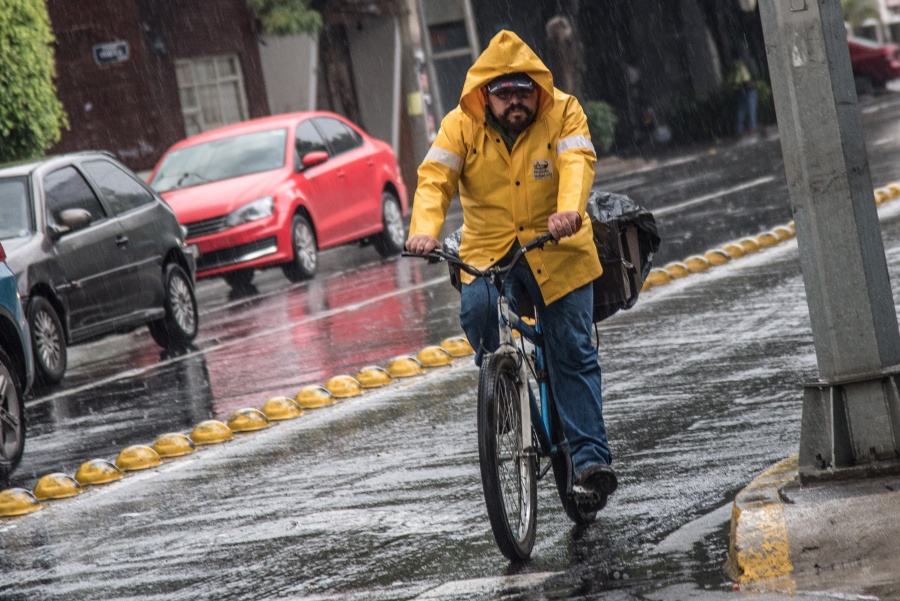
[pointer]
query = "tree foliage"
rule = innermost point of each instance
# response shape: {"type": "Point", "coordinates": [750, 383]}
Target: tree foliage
{"type": "Point", "coordinates": [31, 116]}
{"type": "Point", "coordinates": [286, 17]}
{"type": "Point", "coordinates": [857, 11]}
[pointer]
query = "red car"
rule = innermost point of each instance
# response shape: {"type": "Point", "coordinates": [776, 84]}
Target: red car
{"type": "Point", "coordinates": [276, 190]}
{"type": "Point", "coordinates": [873, 64]}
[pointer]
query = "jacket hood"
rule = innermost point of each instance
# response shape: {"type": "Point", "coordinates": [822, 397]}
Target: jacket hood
{"type": "Point", "coordinates": [506, 54]}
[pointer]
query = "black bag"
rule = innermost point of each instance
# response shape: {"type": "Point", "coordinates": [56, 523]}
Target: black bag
{"type": "Point", "coordinates": [626, 238]}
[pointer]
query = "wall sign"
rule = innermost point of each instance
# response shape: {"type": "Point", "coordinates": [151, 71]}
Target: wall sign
{"type": "Point", "coordinates": [111, 52]}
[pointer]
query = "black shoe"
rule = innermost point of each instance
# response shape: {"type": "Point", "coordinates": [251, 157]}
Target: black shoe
{"type": "Point", "coordinates": [599, 478]}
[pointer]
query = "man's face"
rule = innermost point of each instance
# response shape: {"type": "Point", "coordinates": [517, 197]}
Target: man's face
{"type": "Point", "coordinates": [515, 108]}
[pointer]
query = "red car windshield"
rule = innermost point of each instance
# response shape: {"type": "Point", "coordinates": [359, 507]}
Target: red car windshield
{"type": "Point", "coordinates": [15, 213]}
{"type": "Point", "coordinates": [222, 159]}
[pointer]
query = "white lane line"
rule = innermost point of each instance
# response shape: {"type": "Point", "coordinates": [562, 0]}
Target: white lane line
{"type": "Point", "coordinates": [282, 328]}
{"type": "Point", "coordinates": [466, 588]}
{"type": "Point", "coordinates": [713, 196]}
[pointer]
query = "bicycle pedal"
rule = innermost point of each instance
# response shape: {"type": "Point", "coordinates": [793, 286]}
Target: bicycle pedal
{"type": "Point", "coordinates": [588, 501]}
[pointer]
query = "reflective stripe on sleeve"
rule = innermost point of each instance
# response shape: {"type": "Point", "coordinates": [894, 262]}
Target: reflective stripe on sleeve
{"type": "Point", "coordinates": [573, 142]}
{"type": "Point", "coordinates": [445, 157]}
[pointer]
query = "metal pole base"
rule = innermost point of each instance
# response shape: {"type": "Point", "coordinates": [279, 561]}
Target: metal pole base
{"type": "Point", "coordinates": [851, 428]}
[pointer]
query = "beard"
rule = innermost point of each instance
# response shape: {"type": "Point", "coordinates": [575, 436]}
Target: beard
{"type": "Point", "coordinates": [516, 118]}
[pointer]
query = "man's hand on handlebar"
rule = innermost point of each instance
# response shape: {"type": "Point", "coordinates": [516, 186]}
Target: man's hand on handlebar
{"type": "Point", "coordinates": [563, 225]}
{"type": "Point", "coordinates": [422, 244]}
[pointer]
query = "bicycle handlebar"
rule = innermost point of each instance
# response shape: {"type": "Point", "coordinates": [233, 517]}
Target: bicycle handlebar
{"type": "Point", "coordinates": [437, 256]}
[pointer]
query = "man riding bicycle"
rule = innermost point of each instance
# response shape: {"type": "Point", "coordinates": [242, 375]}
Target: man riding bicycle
{"type": "Point", "coordinates": [519, 153]}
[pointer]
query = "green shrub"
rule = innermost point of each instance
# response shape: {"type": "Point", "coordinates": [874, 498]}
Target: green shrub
{"type": "Point", "coordinates": [31, 115]}
{"type": "Point", "coordinates": [286, 17]}
{"type": "Point", "coordinates": [602, 121]}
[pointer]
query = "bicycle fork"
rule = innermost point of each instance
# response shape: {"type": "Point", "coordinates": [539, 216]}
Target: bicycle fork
{"type": "Point", "coordinates": [507, 345]}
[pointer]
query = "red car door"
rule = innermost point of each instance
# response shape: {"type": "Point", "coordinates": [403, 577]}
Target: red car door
{"type": "Point", "coordinates": [319, 185]}
{"type": "Point", "coordinates": [353, 158]}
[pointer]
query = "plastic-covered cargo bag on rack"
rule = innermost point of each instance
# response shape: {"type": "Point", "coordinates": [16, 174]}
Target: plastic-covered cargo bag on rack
{"type": "Point", "coordinates": [626, 237]}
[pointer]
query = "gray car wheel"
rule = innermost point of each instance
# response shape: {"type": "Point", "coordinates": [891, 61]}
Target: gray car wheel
{"type": "Point", "coordinates": [392, 238]}
{"type": "Point", "coordinates": [177, 329]}
{"type": "Point", "coordinates": [48, 341]}
{"type": "Point", "coordinates": [12, 417]}
{"type": "Point", "coordinates": [306, 252]}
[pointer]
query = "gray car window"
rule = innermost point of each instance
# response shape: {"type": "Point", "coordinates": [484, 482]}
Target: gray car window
{"type": "Point", "coordinates": [340, 137]}
{"type": "Point", "coordinates": [15, 207]}
{"type": "Point", "coordinates": [119, 189]}
{"type": "Point", "coordinates": [66, 189]}
{"type": "Point", "coordinates": [307, 139]}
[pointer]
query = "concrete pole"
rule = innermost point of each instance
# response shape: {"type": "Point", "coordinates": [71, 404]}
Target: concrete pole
{"type": "Point", "coordinates": [851, 416]}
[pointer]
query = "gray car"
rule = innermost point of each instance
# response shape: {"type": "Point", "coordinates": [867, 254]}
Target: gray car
{"type": "Point", "coordinates": [95, 251]}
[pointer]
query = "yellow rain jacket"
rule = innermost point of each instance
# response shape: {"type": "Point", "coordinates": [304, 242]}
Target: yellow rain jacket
{"type": "Point", "coordinates": [508, 196]}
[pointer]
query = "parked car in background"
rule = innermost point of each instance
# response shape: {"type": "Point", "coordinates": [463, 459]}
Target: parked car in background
{"type": "Point", "coordinates": [16, 371]}
{"type": "Point", "coordinates": [873, 64]}
{"type": "Point", "coordinates": [275, 191]}
{"type": "Point", "coordinates": [94, 251]}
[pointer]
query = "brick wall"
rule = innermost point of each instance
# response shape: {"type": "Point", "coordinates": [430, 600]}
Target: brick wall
{"type": "Point", "coordinates": [131, 107]}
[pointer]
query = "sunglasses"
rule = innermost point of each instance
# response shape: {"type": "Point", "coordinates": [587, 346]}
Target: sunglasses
{"type": "Point", "coordinates": [507, 95]}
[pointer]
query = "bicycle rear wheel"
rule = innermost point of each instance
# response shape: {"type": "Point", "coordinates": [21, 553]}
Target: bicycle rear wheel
{"type": "Point", "coordinates": [562, 473]}
{"type": "Point", "coordinates": [508, 474]}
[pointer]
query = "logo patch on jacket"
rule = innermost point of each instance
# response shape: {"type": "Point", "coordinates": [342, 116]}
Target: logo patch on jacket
{"type": "Point", "coordinates": [543, 169]}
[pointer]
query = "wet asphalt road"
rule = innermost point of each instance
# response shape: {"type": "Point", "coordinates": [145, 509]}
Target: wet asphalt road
{"type": "Point", "coordinates": [379, 497]}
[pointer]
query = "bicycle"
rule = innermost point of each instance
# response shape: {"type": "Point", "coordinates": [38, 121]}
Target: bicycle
{"type": "Point", "coordinates": [510, 460]}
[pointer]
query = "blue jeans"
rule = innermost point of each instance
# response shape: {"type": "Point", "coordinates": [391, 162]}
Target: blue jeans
{"type": "Point", "coordinates": [571, 356]}
{"type": "Point", "coordinates": [746, 111]}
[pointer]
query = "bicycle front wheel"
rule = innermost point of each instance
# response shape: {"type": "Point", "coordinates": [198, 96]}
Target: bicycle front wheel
{"type": "Point", "coordinates": [508, 474]}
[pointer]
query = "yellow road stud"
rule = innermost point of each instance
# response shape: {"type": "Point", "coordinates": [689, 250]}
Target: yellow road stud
{"type": "Point", "coordinates": [173, 444]}
{"type": "Point", "coordinates": [882, 195]}
{"type": "Point", "coordinates": [211, 431]}
{"type": "Point", "coordinates": [658, 277]}
{"type": "Point", "coordinates": [373, 377]}
{"type": "Point", "coordinates": [783, 232]}
{"type": "Point", "coordinates": [404, 367]}
{"type": "Point", "coordinates": [137, 457]}
{"type": "Point", "coordinates": [734, 250]}
{"type": "Point", "coordinates": [313, 397]}
{"type": "Point", "coordinates": [17, 501]}
{"type": "Point", "coordinates": [248, 420]}
{"type": "Point", "coordinates": [696, 263]}
{"type": "Point", "coordinates": [97, 471]}
{"type": "Point", "coordinates": [281, 408]}
{"type": "Point", "coordinates": [458, 346]}
{"type": "Point", "coordinates": [343, 387]}
{"type": "Point", "coordinates": [434, 356]}
{"type": "Point", "coordinates": [716, 256]}
{"type": "Point", "coordinates": [676, 269]}
{"type": "Point", "coordinates": [750, 245]}
{"type": "Point", "coordinates": [56, 486]}
{"type": "Point", "coordinates": [894, 189]}
{"type": "Point", "coordinates": [768, 239]}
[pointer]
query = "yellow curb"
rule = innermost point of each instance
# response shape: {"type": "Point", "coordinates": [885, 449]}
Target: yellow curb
{"type": "Point", "coordinates": [404, 367]}
{"type": "Point", "coordinates": [343, 387]}
{"type": "Point", "coordinates": [716, 256]}
{"type": "Point", "coordinates": [696, 263]}
{"type": "Point", "coordinates": [758, 549]}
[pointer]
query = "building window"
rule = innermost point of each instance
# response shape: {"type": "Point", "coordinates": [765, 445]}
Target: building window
{"type": "Point", "coordinates": [211, 90]}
